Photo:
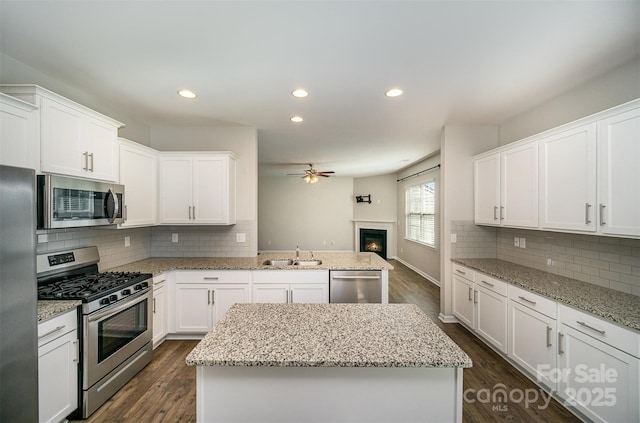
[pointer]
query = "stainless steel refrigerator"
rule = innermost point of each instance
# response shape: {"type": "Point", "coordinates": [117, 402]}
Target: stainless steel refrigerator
{"type": "Point", "coordinates": [18, 296]}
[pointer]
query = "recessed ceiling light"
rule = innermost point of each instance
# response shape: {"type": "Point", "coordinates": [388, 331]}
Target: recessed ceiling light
{"type": "Point", "coordinates": [296, 119]}
{"type": "Point", "coordinates": [300, 93]}
{"type": "Point", "coordinates": [394, 92]}
{"type": "Point", "coordinates": [187, 94]}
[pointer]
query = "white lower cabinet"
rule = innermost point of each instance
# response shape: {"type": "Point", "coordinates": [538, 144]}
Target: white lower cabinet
{"type": "Point", "coordinates": [599, 378]}
{"type": "Point", "coordinates": [463, 297]}
{"type": "Point", "coordinates": [291, 286]}
{"type": "Point", "coordinates": [160, 311]}
{"type": "Point", "coordinates": [202, 297]}
{"type": "Point", "coordinates": [532, 335]}
{"type": "Point", "coordinates": [58, 358]}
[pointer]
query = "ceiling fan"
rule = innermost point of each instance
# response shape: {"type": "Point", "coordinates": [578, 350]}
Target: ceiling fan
{"type": "Point", "coordinates": [310, 176]}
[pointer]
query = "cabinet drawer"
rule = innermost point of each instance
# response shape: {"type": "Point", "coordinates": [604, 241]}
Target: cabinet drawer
{"type": "Point", "coordinates": [463, 272]}
{"type": "Point", "coordinates": [213, 276]}
{"type": "Point", "coordinates": [492, 284]}
{"type": "Point", "coordinates": [56, 327]}
{"type": "Point", "coordinates": [533, 301]}
{"type": "Point", "coordinates": [618, 337]}
{"type": "Point", "coordinates": [159, 280]}
{"type": "Point", "coordinates": [291, 276]}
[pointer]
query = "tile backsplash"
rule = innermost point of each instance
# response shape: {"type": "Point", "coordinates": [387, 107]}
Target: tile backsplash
{"type": "Point", "coordinates": [606, 261]}
{"type": "Point", "coordinates": [193, 241]}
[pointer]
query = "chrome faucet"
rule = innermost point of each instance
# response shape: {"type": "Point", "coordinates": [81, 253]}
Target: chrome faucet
{"type": "Point", "coordinates": [297, 252]}
{"type": "Point", "coordinates": [311, 251]}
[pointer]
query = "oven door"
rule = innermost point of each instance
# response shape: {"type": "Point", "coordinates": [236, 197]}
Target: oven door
{"type": "Point", "coordinates": [114, 334]}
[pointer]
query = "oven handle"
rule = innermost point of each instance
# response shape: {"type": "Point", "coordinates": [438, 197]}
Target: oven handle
{"type": "Point", "coordinates": [116, 308]}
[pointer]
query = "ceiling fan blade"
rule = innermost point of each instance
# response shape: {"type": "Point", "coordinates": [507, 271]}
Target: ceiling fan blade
{"type": "Point", "coordinates": [325, 176]}
{"type": "Point", "coordinates": [296, 174]}
{"type": "Point", "coordinates": [327, 172]}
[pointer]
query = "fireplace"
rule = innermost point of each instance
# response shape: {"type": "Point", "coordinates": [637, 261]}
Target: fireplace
{"type": "Point", "coordinates": [375, 241]}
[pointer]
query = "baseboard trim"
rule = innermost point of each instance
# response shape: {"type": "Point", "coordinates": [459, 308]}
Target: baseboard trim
{"type": "Point", "coordinates": [447, 319]}
{"type": "Point", "coordinates": [418, 271]}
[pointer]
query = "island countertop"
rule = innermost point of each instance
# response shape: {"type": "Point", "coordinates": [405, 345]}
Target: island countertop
{"type": "Point", "coordinates": [330, 261]}
{"type": "Point", "coordinates": [327, 335]}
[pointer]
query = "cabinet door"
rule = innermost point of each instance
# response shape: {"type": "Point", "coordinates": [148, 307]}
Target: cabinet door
{"type": "Point", "coordinates": [309, 293]}
{"type": "Point", "coordinates": [463, 297]}
{"type": "Point", "coordinates": [18, 134]}
{"type": "Point", "coordinates": [175, 190]}
{"type": "Point", "coordinates": [193, 308]}
{"type": "Point", "coordinates": [100, 141]}
{"type": "Point", "coordinates": [519, 186]}
{"type": "Point", "coordinates": [532, 338]}
{"type": "Point", "coordinates": [568, 180]}
{"type": "Point", "coordinates": [58, 378]}
{"type": "Point", "coordinates": [599, 380]}
{"type": "Point", "coordinates": [619, 174]}
{"type": "Point", "coordinates": [224, 296]}
{"type": "Point", "coordinates": [277, 293]}
{"type": "Point", "coordinates": [486, 190]}
{"type": "Point", "coordinates": [160, 304]}
{"type": "Point", "coordinates": [139, 175]}
{"type": "Point", "coordinates": [491, 318]}
{"type": "Point", "coordinates": [61, 139]}
{"type": "Point", "coordinates": [210, 190]}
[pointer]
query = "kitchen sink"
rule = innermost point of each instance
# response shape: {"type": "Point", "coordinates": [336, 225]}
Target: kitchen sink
{"type": "Point", "coordinates": [314, 262]}
{"type": "Point", "coordinates": [278, 262]}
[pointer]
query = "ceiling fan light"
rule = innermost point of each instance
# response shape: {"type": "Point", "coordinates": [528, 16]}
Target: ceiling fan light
{"type": "Point", "coordinates": [313, 179]}
{"type": "Point", "coordinates": [307, 179]}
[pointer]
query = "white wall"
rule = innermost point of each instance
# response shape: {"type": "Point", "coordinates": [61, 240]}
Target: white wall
{"type": "Point", "coordinates": [314, 216]}
{"type": "Point", "coordinates": [383, 198]}
{"type": "Point", "coordinates": [611, 89]}
{"type": "Point", "coordinates": [458, 146]}
{"type": "Point", "coordinates": [421, 258]}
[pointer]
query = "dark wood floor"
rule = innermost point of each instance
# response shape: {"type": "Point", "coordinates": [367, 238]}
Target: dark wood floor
{"type": "Point", "coordinates": [165, 390]}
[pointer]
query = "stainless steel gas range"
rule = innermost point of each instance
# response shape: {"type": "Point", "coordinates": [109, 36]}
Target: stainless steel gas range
{"type": "Point", "coordinates": [115, 320]}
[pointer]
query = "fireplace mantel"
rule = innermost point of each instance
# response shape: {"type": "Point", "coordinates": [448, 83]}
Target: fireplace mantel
{"type": "Point", "coordinates": [388, 225]}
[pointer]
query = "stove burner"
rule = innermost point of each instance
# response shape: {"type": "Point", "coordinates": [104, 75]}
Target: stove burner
{"type": "Point", "coordinates": [87, 287]}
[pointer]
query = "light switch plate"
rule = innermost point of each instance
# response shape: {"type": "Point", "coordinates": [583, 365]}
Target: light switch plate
{"type": "Point", "coordinates": [523, 243]}
{"type": "Point", "coordinates": [127, 241]}
{"type": "Point", "coordinates": [454, 238]}
{"type": "Point", "coordinates": [174, 237]}
{"type": "Point", "coordinates": [241, 237]}
{"type": "Point", "coordinates": [516, 242]}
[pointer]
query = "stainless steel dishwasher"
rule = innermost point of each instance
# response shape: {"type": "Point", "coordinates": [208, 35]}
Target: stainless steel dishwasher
{"type": "Point", "coordinates": [355, 286]}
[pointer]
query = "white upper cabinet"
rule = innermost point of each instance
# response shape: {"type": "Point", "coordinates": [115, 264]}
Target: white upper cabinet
{"type": "Point", "coordinates": [139, 175]}
{"type": "Point", "coordinates": [18, 133]}
{"type": "Point", "coordinates": [619, 170]}
{"type": "Point", "coordinates": [506, 187]}
{"type": "Point", "coordinates": [568, 180]}
{"type": "Point", "coordinates": [198, 189]}
{"type": "Point", "coordinates": [74, 140]}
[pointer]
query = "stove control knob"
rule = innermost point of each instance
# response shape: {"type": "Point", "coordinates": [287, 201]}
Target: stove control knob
{"type": "Point", "coordinates": [145, 284]}
{"type": "Point", "coordinates": [113, 297]}
{"type": "Point", "coordinates": [104, 301]}
{"type": "Point", "coordinates": [138, 287]}
{"type": "Point", "coordinates": [126, 292]}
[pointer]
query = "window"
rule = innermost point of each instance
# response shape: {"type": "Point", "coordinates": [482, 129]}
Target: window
{"type": "Point", "coordinates": [421, 213]}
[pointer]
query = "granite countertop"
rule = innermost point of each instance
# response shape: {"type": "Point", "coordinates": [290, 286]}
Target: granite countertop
{"type": "Point", "coordinates": [330, 261]}
{"type": "Point", "coordinates": [616, 306]}
{"type": "Point", "coordinates": [52, 308]}
{"type": "Point", "coordinates": [327, 335]}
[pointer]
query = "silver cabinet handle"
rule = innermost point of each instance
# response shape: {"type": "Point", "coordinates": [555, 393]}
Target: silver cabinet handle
{"type": "Point", "coordinates": [86, 161]}
{"type": "Point", "coordinates": [501, 212]}
{"type": "Point", "coordinates": [347, 277]}
{"type": "Point", "coordinates": [560, 350]}
{"type": "Point", "coordinates": [210, 278]}
{"type": "Point", "coordinates": [125, 213]}
{"type": "Point", "coordinates": [189, 212]}
{"type": "Point", "coordinates": [76, 345]}
{"type": "Point", "coordinates": [287, 295]}
{"type": "Point", "coordinates": [194, 212]}
{"type": "Point", "coordinates": [475, 297]}
{"type": "Point", "coordinates": [58, 329]}
{"type": "Point", "coordinates": [91, 168]}
{"type": "Point", "coordinates": [154, 306]}
{"type": "Point", "coordinates": [291, 295]}
{"type": "Point", "coordinates": [495, 212]}
{"type": "Point", "coordinates": [600, 331]}
{"type": "Point", "coordinates": [488, 283]}
{"type": "Point", "coordinates": [470, 294]}
{"type": "Point", "coordinates": [602, 222]}
{"type": "Point", "coordinates": [549, 329]}
{"type": "Point", "coordinates": [213, 296]}
{"type": "Point", "coordinates": [461, 272]}
{"type": "Point", "coordinates": [208, 297]}
{"type": "Point", "coordinates": [527, 300]}
{"type": "Point", "coordinates": [587, 206]}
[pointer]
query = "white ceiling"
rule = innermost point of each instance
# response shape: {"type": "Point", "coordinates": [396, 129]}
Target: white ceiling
{"type": "Point", "coordinates": [458, 62]}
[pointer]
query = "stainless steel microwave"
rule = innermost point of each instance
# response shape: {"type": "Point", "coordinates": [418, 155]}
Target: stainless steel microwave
{"type": "Point", "coordinates": [65, 202]}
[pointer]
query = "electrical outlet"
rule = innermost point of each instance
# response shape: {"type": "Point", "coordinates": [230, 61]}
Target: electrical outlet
{"type": "Point", "coordinates": [454, 238]}
{"type": "Point", "coordinates": [127, 241]}
{"type": "Point", "coordinates": [174, 237]}
{"type": "Point", "coordinates": [523, 243]}
{"type": "Point", "coordinates": [241, 237]}
{"type": "Point", "coordinates": [549, 262]}
{"type": "Point", "coordinates": [516, 242]}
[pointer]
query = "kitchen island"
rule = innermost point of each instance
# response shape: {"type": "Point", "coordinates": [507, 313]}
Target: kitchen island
{"type": "Point", "coordinates": [328, 362]}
